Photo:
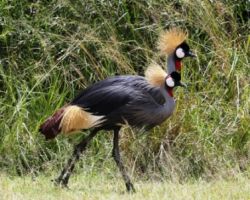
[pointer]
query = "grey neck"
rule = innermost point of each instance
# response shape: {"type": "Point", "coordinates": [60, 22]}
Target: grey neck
{"type": "Point", "coordinates": [165, 94]}
{"type": "Point", "coordinates": [169, 104]}
{"type": "Point", "coordinates": [171, 63]}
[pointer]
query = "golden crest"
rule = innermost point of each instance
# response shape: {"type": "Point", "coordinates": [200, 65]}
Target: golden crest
{"type": "Point", "coordinates": [170, 39]}
{"type": "Point", "coordinates": [155, 75]}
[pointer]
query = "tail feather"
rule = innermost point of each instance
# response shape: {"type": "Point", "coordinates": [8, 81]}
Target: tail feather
{"type": "Point", "coordinates": [68, 120]}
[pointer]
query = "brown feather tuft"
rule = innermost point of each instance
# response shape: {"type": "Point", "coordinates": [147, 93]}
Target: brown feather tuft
{"type": "Point", "coordinates": [75, 118]}
{"type": "Point", "coordinates": [169, 40]}
{"type": "Point", "coordinates": [50, 128]}
{"type": "Point", "coordinates": [155, 75]}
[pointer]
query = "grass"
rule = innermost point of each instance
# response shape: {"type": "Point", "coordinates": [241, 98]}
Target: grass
{"type": "Point", "coordinates": [101, 187]}
{"type": "Point", "coordinates": [49, 50]}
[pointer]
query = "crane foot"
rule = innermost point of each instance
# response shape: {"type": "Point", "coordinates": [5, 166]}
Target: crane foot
{"type": "Point", "coordinates": [130, 187]}
{"type": "Point", "coordinates": [60, 182]}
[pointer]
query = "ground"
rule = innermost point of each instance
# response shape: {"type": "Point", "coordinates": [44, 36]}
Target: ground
{"type": "Point", "coordinates": [101, 187]}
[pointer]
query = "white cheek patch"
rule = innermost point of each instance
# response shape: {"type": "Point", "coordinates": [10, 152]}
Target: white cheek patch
{"type": "Point", "coordinates": [169, 82]}
{"type": "Point", "coordinates": [179, 53]}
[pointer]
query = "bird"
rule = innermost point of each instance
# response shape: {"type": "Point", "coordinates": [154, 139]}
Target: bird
{"type": "Point", "coordinates": [172, 43]}
{"type": "Point", "coordinates": [139, 101]}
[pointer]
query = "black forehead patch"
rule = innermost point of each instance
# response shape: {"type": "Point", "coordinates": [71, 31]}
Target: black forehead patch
{"type": "Point", "coordinates": [176, 76]}
{"type": "Point", "coordinates": [184, 46]}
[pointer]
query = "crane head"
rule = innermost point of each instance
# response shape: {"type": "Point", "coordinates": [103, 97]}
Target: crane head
{"type": "Point", "coordinates": [182, 51]}
{"type": "Point", "coordinates": [174, 80]}
{"type": "Point", "coordinates": [174, 42]}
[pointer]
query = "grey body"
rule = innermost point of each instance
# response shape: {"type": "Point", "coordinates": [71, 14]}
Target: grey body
{"type": "Point", "coordinates": [121, 100]}
{"type": "Point", "coordinates": [127, 99]}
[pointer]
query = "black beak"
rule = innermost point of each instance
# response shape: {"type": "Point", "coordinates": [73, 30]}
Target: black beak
{"type": "Point", "coordinates": [191, 54]}
{"type": "Point", "coordinates": [181, 84]}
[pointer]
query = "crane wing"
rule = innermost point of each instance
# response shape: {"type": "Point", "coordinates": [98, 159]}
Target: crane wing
{"type": "Point", "coordinates": [108, 95]}
{"type": "Point", "coordinates": [104, 100]}
{"type": "Point", "coordinates": [142, 111]}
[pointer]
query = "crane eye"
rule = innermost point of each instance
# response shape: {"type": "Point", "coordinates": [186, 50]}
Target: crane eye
{"type": "Point", "coordinates": [180, 53]}
{"type": "Point", "coordinates": [170, 82]}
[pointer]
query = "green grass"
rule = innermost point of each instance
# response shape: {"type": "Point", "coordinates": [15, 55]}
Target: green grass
{"type": "Point", "coordinates": [49, 50]}
{"type": "Point", "coordinates": [100, 187]}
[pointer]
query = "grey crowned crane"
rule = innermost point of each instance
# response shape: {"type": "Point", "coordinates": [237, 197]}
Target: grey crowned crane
{"type": "Point", "coordinates": [108, 104]}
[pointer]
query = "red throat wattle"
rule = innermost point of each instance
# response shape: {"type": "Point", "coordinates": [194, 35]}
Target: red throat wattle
{"type": "Point", "coordinates": [170, 91]}
{"type": "Point", "coordinates": [178, 65]}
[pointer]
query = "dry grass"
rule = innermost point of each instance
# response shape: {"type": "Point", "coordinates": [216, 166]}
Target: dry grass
{"type": "Point", "coordinates": [93, 187]}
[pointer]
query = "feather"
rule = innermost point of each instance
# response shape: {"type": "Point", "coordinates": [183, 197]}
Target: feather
{"type": "Point", "coordinates": [76, 118]}
{"type": "Point", "coordinates": [106, 96]}
{"type": "Point", "coordinates": [169, 40]}
{"type": "Point", "coordinates": [155, 75]}
{"type": "Point", "coordinates": [50, 128]}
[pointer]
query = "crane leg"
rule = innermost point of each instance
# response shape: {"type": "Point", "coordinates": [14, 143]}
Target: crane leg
{"type": "Point", "coordinates": [117, 158]}
{"type": "Point", "coordinates": [63, 179]}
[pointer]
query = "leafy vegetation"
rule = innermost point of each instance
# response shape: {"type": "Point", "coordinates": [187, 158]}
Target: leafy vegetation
{"type": "Point", "coordinates": [52, 49]}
